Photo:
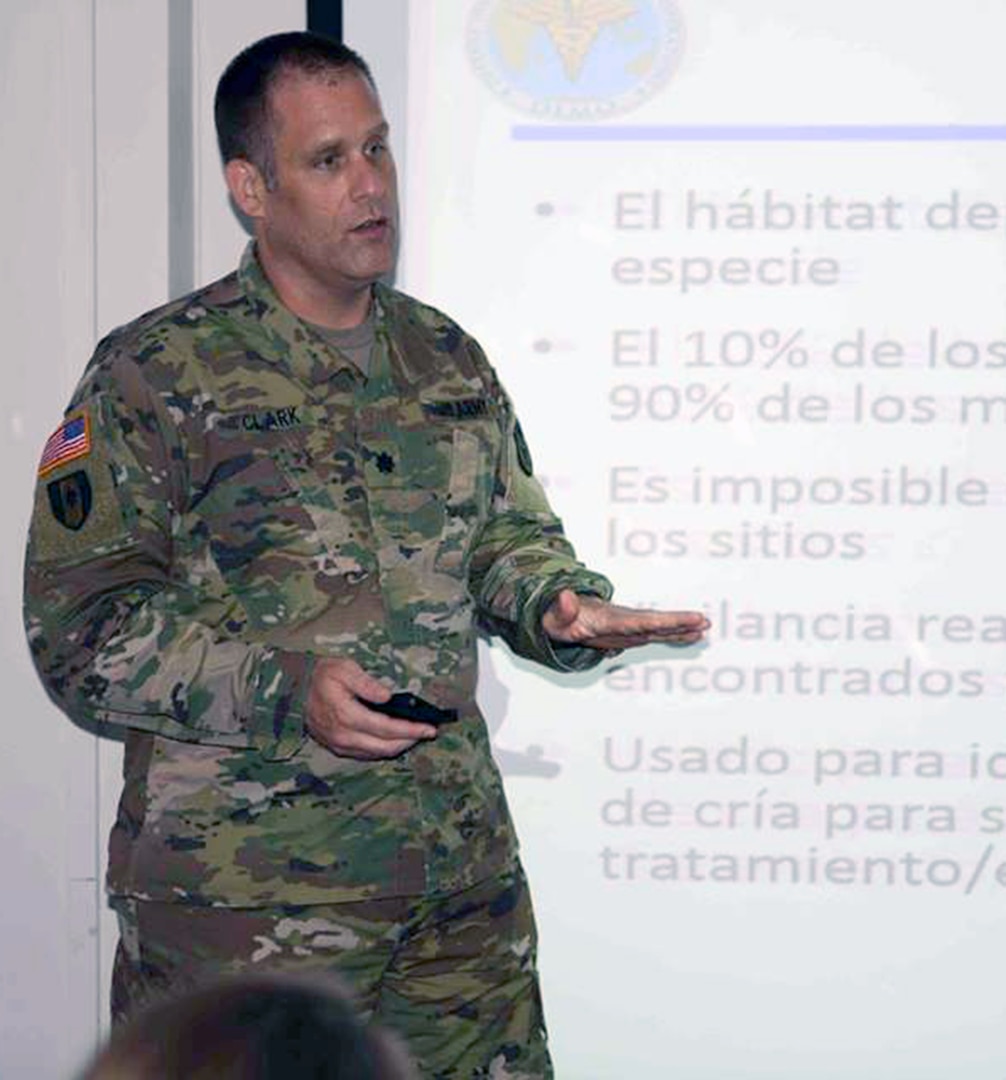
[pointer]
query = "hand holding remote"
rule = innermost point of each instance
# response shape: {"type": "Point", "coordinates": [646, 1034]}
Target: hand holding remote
{"type": "Point", "coordinates": [346, 713]}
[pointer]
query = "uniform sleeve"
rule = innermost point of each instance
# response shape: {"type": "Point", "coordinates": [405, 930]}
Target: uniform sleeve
{"type": "Point", "coordinates": [521, 559]}
{"type": "Point", "coordinates": [112, 619]}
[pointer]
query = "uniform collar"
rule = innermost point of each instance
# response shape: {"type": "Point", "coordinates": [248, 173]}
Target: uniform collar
{"type": "Point", "coordinates": [309, 356]}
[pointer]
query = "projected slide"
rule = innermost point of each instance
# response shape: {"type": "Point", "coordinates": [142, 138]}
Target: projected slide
{"type": "Point", "coordinates": [742, 268]}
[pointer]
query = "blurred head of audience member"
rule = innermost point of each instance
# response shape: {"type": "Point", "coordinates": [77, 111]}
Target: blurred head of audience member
{"type": "Point", "coordinates": [252, 1027]}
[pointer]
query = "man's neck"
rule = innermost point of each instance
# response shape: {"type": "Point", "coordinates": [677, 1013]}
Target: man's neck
{"type": "Point", "coordinates": [322, 306]}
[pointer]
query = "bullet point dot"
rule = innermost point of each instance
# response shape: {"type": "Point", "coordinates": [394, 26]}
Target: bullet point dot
{"type": "Point", "coordinates": [544, 209]}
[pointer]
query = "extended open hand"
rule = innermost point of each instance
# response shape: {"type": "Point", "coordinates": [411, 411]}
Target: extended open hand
{"type": "Point", "coordinates": [573, 619]}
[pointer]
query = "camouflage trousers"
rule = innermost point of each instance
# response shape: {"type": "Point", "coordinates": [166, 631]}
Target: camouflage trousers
{"type": "Point", "coordinates": [454, 975]}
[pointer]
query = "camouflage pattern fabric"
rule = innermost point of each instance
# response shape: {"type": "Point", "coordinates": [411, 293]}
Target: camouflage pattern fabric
{"type": "Point", "coordinates": [230, 499]}
{"type": "Point", "coordinates": [454, 976]}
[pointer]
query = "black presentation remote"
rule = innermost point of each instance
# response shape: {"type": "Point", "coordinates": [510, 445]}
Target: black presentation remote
{"type": "Point", "coordinates": [405, 706]}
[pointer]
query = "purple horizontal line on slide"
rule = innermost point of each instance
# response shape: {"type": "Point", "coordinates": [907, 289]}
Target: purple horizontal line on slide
{"type": "Point", "coordinates": [759, 133]}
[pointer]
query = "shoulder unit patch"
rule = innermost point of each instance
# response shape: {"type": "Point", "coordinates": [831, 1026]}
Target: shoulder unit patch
{"type": "Point", "coordinates": [70, 499]}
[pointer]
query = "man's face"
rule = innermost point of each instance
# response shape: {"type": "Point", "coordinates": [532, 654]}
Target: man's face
{"type": "Point", "coordinates": [331, 220]}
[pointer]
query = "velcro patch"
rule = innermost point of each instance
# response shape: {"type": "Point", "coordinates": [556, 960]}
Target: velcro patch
{"type": "Point", "coordinates": [71, 440]}
{"type": "Point", "coordinates": [70, 499]}
{"type": "Point", "coordinates": [265, 420]}
{"type": "Point", "coordinates": [79, 513]}
{"type": "Point", "coordinates": [523, 450]}
{"type": "Point", "coordinates": [459, 409]}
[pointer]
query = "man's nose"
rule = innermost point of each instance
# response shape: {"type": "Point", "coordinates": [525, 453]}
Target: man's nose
{"type": "Point", "coordinates": [368, 179]}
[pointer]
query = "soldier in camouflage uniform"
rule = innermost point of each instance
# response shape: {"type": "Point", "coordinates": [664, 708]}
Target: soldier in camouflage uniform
{"type": "Point", "coordinates": [270, 503]}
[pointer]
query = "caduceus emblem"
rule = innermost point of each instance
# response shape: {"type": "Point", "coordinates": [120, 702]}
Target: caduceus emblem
{"type": "Point", "coordinates": [572, 25]}
{"type": "Point", "coordinates": [579, 60]}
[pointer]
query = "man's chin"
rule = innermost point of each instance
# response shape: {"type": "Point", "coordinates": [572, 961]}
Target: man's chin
{"type": "Point", "coordinates": [375, 270]}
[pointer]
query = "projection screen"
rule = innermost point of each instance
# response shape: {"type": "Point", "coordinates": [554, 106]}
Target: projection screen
{"type": "Point", "coordinates": [741, 267]}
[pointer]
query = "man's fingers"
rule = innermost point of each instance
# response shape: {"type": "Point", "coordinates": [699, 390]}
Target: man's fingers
{"type": "Point", "coordinates": [339, 717]}
{"type": "Point", "coordinates": [369, 748]}
{"type": "Point", "coordinates": [355, 731]}
{"type": "Point", "coordinates": [652, 624]}
{"type": "Point", "coordinates": [348, 676]}
{"type": "Point", "coordinates": [613, 627]}
{"type": "Point", "coordinates": [619, 642]}
{"type": "Point", "coordinates": [655, 622]}
{"type": "Point", "coordinates": [590, 621]}
{"type": "Point", "coordinates": [363, 721]}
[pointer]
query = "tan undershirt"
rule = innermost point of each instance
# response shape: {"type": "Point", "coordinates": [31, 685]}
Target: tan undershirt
{"type": "Point", "coordinates": [355, 343]}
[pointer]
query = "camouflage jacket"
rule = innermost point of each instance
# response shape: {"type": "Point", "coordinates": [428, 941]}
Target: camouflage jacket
{"type": "Point", "coordinates": [228, 499]}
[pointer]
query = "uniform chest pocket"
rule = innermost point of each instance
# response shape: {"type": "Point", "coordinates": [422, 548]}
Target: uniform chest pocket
{"type": "Point", "coordinates": [267, 544]}
{"type": "Point", "coordinates": [430, 490]}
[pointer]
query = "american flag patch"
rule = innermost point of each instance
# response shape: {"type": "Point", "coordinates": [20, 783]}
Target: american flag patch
{"type": "Point", "coordinates": [71, 440]}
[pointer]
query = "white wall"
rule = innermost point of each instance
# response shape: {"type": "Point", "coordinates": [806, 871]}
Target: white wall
{"type": "Point", "coordinates": [84, 194]}
{"type": "Point", "coordinates": [54, 198]}
{"type": "Point", "coordinates": [84, 191]}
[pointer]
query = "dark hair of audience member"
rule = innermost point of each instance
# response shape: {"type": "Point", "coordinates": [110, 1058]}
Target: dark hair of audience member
{"type": "Point", "coordinates": [252, 1027]}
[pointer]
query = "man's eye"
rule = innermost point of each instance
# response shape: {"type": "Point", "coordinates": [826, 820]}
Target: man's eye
{"type": "Point", "coordinates": [375, 149]}
{"type": "Point", "coordinates": [328, 161]}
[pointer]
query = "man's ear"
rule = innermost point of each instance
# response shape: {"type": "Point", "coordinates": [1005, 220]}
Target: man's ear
{"type": "Point", "coordinates": [247, 187]}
